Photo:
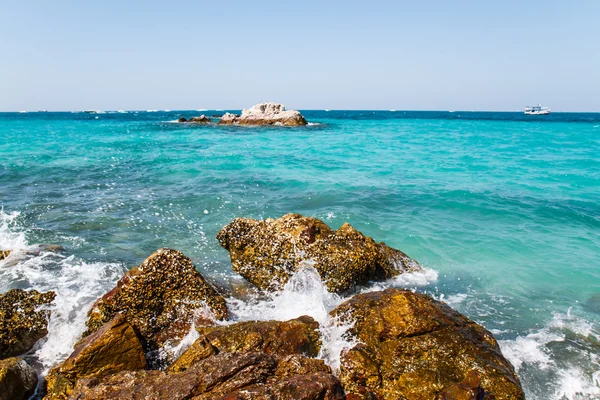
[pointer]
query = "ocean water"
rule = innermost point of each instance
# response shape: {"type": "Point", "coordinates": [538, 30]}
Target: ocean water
{"type": "Point", "coordinates": [502, 209]}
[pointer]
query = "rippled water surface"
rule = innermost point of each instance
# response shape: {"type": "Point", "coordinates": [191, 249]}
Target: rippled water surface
{"type": "Point", "coordinates": [503, 209]}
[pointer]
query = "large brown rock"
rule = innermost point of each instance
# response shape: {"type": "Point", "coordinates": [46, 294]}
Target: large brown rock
{"type": "Point", "coordinates": [113, 348]}
{"type": "Point", "coordinates": [276, 338]}
{"type": "Point", "coordinates": [160, 298]}
{"type": "Point", "coordinates": [414, 347]}
{"type": "Point", "coordinates": [248, 375]}
{"type": "Point", "coordinates": [17, 379]}
{"type": "Point", "coordinates": [265, 114]}
{"type": "Point", "coordinates": [267, 252]}
{"type": "Point", "coordinates": [23, 321]}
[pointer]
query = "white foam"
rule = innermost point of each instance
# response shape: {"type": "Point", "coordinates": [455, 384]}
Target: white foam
{"type": "Point", "coordinates": [407, 280]}
{"type": "Point", "coordinates": [303, 294]}
{"type": "Point", "coordinates": [569, 377]}
{"type": "Point", "coordinates": [12, 237]}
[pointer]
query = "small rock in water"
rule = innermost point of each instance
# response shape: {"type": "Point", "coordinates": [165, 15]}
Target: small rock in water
{"type": "Point", "coordinates": [22, 320]}
{"type": "Point", "coordinates": [182, 119]}
{"type": "Point", "coordinates": [265, 114]}
{"type": "Point", "coordinates": [4, 254]}
{"type": "Point", "coordinates": [203, 119]}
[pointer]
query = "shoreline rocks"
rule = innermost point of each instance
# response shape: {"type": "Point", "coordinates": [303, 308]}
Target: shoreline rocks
{"type": "Point", "coordinates": [161, 299]}
{"type": "Point", "coordinates": [23, 320]}
{"type": "Point", "coordinates": [267, 252]}
{"type": "Point", "coordinates": [414, 347]}
{"type": "Point", "coordinates": [265, 114]}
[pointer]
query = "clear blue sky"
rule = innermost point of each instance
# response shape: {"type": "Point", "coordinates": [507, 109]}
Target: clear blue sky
{"type": "Point", "coordinates": [459, 55]}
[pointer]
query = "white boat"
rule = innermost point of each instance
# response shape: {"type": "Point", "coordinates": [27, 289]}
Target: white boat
{"type": "Point", "coordinates": [537, 110]}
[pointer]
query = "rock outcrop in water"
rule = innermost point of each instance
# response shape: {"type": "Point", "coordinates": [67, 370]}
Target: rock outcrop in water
{"type": "Point", "coordinates": [203, 119]}
{"type": "Point", "coordinates": [267, 252]}
{"type": "Point", "coordinates": [265, 114]}
{"type": "Point", "coordinates": [414, 347]}
{"type": "Point", "coordinates": [4, 254]}
{"type": "Point", "coordinates": [17, 379]}
{"type": "Point", "coordinates": [160, 299]}
{"type": "Point", "coordinates": [113, 348]}
{"type": "Point", "coordinates": [23, 321]}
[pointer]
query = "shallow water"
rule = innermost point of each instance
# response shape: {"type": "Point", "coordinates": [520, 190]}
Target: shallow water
{"type": "Point", "coordinates": [501, 208]}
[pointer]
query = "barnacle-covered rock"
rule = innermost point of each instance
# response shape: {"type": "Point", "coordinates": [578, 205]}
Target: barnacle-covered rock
{"type": "Point", "coordinates": [268, 252]}
{"type": "Point", "coordinates": [414, 347]}
{"type": "Point", "coordinates": [23, 321]}
{"type": "Point", "coordinates": [160, 299]}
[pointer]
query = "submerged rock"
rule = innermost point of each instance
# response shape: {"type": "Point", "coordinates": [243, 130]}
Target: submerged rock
{"type": "Point", "coordinates": [276, 338]}
{"type": "Point", "coordinates": [265, 114]}
{"type": "Point", "coordinates": [268, 252]}
{"type": "Point", "coordinates": [22, 320]}
{"type": "Point", "coordinates": [161, 299]}
{"type": "Point", "coordinates": [113, 348]}
{"type": "Point", "coordinates": [17, 379]}
{"type": "Point", "coordinates": [203, 119]}
{"type": "Point", "coordinates": [414, 347]}
{"type": "Point", "coordinates": [224, 376]}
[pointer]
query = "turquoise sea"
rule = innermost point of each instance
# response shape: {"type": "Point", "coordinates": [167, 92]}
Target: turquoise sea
{"type": "Point", "coordinates": [503, 209]}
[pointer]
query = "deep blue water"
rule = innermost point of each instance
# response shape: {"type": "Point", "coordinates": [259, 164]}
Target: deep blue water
{"type": "Point", "coordinates": [503, 206]}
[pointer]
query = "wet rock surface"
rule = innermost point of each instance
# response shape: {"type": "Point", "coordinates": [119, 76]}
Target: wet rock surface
{"type": "Point", "coordinates": [23, 320]}
{"type": "Point", "coordinates": [160, 299]}
{"type": "Point", "coordinates": [265, 114]}
{"type": "Point", "coordinates": [113, 348]}
{"type": "Point", "coordinates": [221, 376]}
{"type": "Point", "coordinates": [414, 347]}
{"type": "Point", "coordinates": [276, 338]}
{"type": "Point", "coordinates": [17, 379]}
{"type": "Point", "coordinates": [267, 252]}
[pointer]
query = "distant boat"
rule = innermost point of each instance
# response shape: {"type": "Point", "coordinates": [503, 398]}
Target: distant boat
{"type": "Point", "coordinates": [537, 110]}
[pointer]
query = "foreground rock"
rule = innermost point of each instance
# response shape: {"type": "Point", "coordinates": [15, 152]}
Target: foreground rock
{"type": "Point", "coordinates": [225, 376]}
{"type": "Point", "coordinates": [111, 349]}
{"type": "Point", "coordinates": [413, 347]}
{"type": "Point", "coordinates": [23, 321]}
{"type": "Point", "coordinates": [17, 379]}
{"type": "Point", "coordinates": [160, 299]}
{"type": "Point", "coordinates": [265, 114]}
{"type": "Point", "coordinates": [276, 338]}
{"type": "Point", "coordinates": [267, 252]}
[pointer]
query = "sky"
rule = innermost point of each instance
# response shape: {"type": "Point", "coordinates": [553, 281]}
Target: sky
{"type": "Point", "coordinates": [404, 55]}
